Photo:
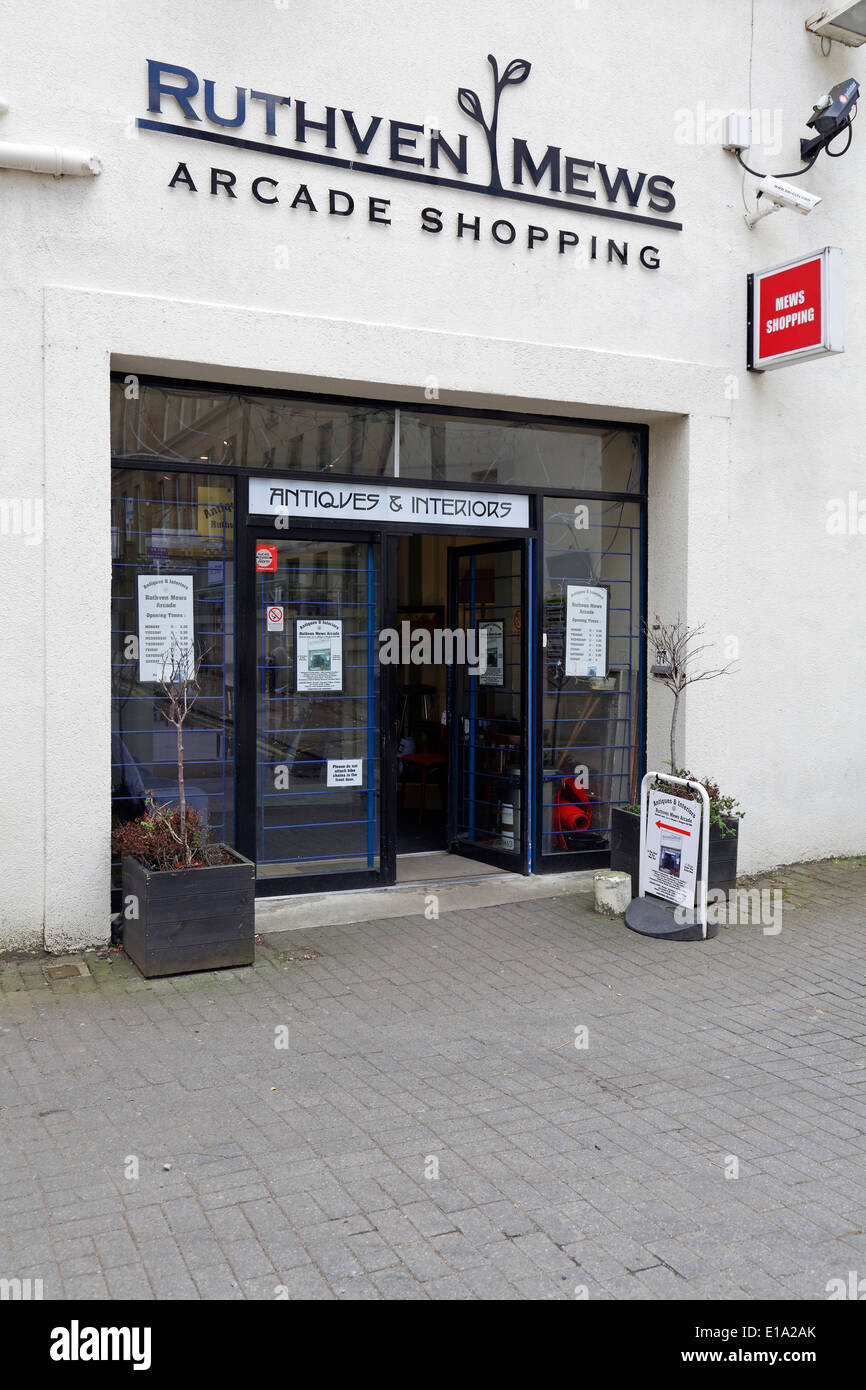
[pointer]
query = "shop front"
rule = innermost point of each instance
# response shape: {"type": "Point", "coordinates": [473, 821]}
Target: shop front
{"type": "Point", "coordinates": [344, 349]}
{"type": "Point", "coordinates": [420, 629]}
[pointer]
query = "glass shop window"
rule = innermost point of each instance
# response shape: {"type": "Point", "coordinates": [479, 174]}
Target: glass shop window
{"type": "Point", "coordinates": [245, 430]}
{"type": "Point", "coordinates": [455, 449]}
{"type": "Point", "coordinates": [590, 707]}
{"type": "Point", "coordinates": [176, 529]}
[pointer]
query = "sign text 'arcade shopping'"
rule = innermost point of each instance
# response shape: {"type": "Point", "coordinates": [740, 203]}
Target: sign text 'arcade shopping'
{"type": "Point", "coordinates": [478, 160]}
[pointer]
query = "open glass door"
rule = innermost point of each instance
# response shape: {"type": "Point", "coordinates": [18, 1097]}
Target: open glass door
{"type": "Point", "coordinates": [489, 743]}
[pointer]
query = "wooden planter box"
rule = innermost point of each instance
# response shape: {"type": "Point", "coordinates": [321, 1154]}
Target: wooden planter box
{"type": "Point", "coordinates": [625, 846]}
{"type": "Point", "coordinates": [190, 919]}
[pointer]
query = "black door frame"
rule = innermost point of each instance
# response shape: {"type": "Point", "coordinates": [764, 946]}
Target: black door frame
{"type": "Point", "coordinates": [498, 858]}
{"type": "Point", "coordinates": [258, 529]}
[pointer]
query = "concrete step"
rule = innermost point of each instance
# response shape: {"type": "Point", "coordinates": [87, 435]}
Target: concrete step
{"type": "Point", "coordinates": [299, 911]}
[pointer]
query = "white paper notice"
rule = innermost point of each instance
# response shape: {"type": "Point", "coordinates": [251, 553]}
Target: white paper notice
{"type": "Point", "coordinates": [494, 671]}
{"type": "Point", "coordinates": [585, 631]}
{"type": "Point", "coordinates": [346, 773]}
{"type": "Point", "coordinates": [319, 654]}
{"type": "Point", "coordinates": [673, 835]}
{"type": "Point", "coordinates": [166, 628]}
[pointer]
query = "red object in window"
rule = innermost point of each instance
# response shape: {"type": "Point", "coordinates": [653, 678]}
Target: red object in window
{"type": "Point", "coordinates": [266, 558]}
{"type": "Point", "coordinates": [572, 813]}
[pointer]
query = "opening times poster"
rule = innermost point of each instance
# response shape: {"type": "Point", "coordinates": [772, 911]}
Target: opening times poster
{"type": "Point", "coordinates": [319, 654]}
{"type": "Point", "coordinates": [166, 628]}
{"type": "Point", "coordinates": [585, 630]}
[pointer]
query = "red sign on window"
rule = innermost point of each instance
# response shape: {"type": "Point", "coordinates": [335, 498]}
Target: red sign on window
{"type": "Point", "coordinates": [796, 311]}
{"type": "Point", "coordinates": [266, 557]}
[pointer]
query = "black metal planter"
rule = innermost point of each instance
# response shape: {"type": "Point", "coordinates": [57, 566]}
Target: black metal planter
{"type": "Point", "coordinates": [625, 848]}
{"type": "Point", "coordinates": [189, 919]}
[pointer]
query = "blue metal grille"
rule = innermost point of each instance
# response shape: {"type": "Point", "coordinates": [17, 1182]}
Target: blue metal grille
{"type": "Point", "coordinates": [591, 726]}
{"type": "Point", "coordinates": [488, 717]}
{"type": "Point", "coordinates": [301, 823]}
{"type": "Point", "coordinates": [161, 527]}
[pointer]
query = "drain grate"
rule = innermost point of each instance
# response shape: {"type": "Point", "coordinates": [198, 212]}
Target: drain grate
{"type": "Point", "coordinates": [67, 970]}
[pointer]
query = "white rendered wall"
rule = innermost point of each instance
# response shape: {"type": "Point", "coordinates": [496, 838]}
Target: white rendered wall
{"type": "Point", "coordinates": [122, 271]}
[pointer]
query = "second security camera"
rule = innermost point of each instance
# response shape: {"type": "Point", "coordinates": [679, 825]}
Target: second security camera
{"type": "Point", "coordinates": [830, 116]}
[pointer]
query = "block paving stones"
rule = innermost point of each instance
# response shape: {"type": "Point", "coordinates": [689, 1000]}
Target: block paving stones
{"type": "Point", "coordinates": [432, 1131]}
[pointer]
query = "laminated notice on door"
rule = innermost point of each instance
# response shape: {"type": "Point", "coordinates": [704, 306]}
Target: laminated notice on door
{"type": "Point", "coordinates": [319, 654]}
{"type": "Point", "coordinates": [348, 772]}
{"type": "Point", "coordinates": [493, 672]}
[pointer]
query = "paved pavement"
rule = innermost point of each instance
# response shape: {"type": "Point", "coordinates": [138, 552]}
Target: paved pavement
{"type": "Point", "coordinates": [418, 1048]}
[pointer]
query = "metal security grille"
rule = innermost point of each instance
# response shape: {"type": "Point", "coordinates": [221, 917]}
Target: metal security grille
{"type": "Point", "coordinates": [487, 711]}
{"type": "Point", "coordinates": [318, 729]}
{"type": "Point", "coordinates": [591, 725]}
{"type": "Point", "coordinates": [163, 525]}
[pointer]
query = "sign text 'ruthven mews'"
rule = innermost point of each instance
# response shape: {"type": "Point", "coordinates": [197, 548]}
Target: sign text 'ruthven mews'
{"type": "Point", "coordinates": [340, 138]}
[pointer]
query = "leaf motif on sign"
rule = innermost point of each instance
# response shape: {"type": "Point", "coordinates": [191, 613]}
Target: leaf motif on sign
{"type": "Point", "coordinates": [470, 104]}
{"type": "Point", "coordinates": [517, 71]}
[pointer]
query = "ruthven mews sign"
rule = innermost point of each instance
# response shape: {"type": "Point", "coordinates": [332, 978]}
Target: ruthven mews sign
{"type": "Point", "coordinates": [478, 160]}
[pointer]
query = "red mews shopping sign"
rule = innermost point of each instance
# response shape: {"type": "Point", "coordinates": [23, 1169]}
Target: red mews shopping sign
{"type": "Point", "coordinates": [795, 311]}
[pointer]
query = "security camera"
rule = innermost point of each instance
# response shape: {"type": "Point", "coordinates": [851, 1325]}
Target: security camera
{"type": "Point", "coordinates": [830, 116]}
{"type": "Point", "coordinates": [788, 195]}
{"type": "Point", "coordinates": [783, 195]}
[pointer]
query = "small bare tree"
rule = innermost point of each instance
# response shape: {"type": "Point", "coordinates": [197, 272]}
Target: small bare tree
{"type": "Point", "coordinates": [181, 668]}
{"type": "Point", "coordinates": [678, 664]}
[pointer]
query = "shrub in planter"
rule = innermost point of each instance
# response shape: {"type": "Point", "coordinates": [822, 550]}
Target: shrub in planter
{"type": "Point", "coordinates": [187, 904]}
{"type": "Point", "coordinates": [680, 663]}
{"type": "Point", "coordinates": [724, 833]}
{"type": "Point", "coordinates": [183, 913]}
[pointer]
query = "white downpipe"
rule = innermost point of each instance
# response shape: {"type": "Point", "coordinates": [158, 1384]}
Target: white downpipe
{"type": "Point", "coordinates": [49, 159]}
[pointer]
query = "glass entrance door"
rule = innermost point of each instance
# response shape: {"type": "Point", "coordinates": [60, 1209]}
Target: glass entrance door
{"type": "Point", "coordinates": [317, 620]}
{"type": "Point", "coordinates": [489, 744]}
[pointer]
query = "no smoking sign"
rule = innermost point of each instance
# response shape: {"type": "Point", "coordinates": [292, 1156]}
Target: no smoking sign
{"type": "Point", "coordinates": [276, 618]}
